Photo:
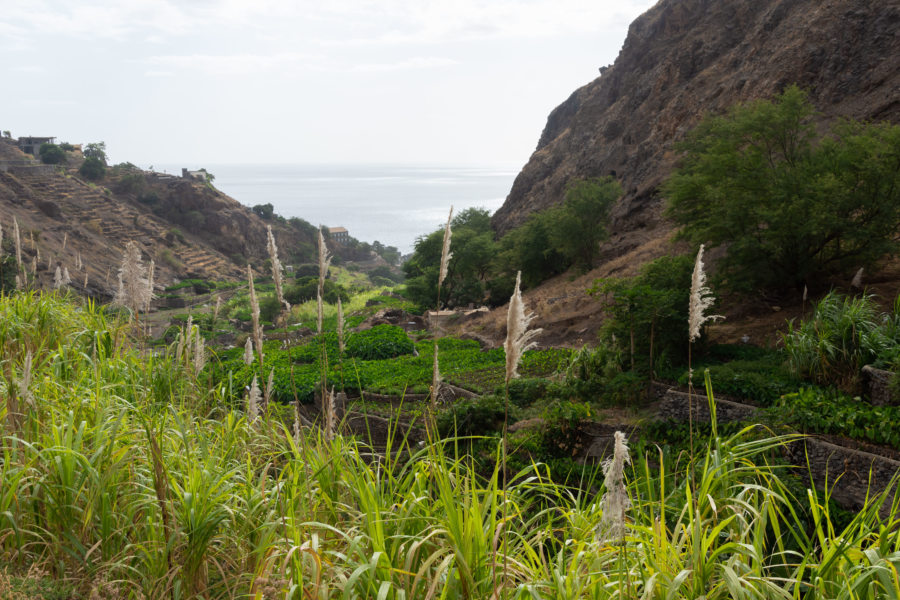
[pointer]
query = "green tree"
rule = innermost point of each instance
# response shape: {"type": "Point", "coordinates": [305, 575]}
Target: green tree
{"type": "Point", "coordinates": [306, 288]}
{"type": "Point", "coordinates": [648, 314]}
{"type": "Point", "coordinates": [96, 150]}
{"type": "Point", "coordinates": [92, 168]}
{"type": "Point", "coordinates": [578, 227]}
{"type": "Point", "coordinates": [473, 248]}
{"type": "Point", "coordinates": [264, 211]}
{"type": "Point", "coordinates": [51, 154]}
{"type": "Point", "coordinates": [790, 206]}
{"type": "Point", "coordinates": [528, 249]}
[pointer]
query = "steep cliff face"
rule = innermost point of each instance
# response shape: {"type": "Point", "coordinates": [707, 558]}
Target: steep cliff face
{"type": "Point", "coordinates": [684, 58]}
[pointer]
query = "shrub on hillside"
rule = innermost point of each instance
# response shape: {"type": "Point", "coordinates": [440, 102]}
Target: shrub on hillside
{"type": "Point", "coordinates": [306, 288]}
{"type": "Point", "coordinates": [647, 314]}
{"type": "Point", "coordinates": [789, 204]}
{"type": "Point", "coordinates": [481, 415]}
{"type": "Point", "coordinates": [379, 343]}
{"type": "Point", "coordinates": [51, 154]}
{"type": "Point", "coordinates": [92, 169]}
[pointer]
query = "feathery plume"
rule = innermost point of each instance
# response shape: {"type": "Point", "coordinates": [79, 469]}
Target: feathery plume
{"type": "Point", "coordinates": [518, 338]}
{"type": "Point", "coordinates": [340, 326]}
{"type": "Point", "coordinates": [277, 269]}
{"type": "Point", "coordinates": [57, 278]}
{"type": "Point", "coordinates": [34, 265]}
{"type": "Point", "coordinates": [615, 499]}
{"type": "Point", "coordinates": [49, 259]}
{"type": "Point", "coordinates": [248, 351]}
{"type": "Point", "coordinates": [85, 279]}
{"type": "Point", "coordinates": [324, 261]}
{"type": "Point", "coordinates": [78, 264]}
{"type": "Point", "coordinates": [187, 335]}
{"type": "Point", "coordinates": [297, 424]}
{"type": "Point", "coordinates": [435, 378]}
{"type": "Point", "coordinates": [65, 239]}
{"type": "Point", "coordinates": [856, 283]}
{"type": "Point", "coordinates": [25, 381]}
{"type": "Point", "coordinates": [701, 299]}
{"type": "Point", "coordinates": [254, 315]}
{"type": "Point", "coordinates": [31, 238]}
{"type": "Point", "coordinates": [134, 291]}
{"type": "Point", "coordinates": [37, 256]}
{"type": "Point", "coordinates": [445, 250]}
{"type": "Point", "coordinates": [66, 280]}
{"type": "Point", "coordinates": [199, 357]}
{"type": "Point", "coordinates": [804, 293]}
{"type": "Point", "coordinates": [18, 282]}
{"type": "Point", "coordinates": [270, 384]}
{"type": "Point", "coordinates": [150, 274]}
{"type": "Point", "coordinates": [217, 308]}
{"type": "Point", "coordinates": [179, 346]}
{"type": "Point", "coordinates": [329, 415]}
{"type": "Point", "coordinates": [253, 400]}
{"type": "Point", "coordinates": [18, 239]}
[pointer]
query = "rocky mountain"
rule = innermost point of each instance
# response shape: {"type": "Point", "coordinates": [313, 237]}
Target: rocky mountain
{"type": "Point", "coordinates": [684, 58]}
{"type": "Point", "coordinates": [190, 229]}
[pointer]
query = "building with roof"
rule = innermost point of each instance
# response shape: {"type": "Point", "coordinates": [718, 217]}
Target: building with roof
{"type": "Point", "coordinates": [32, 145]}
{"type": "Point", "coordinates": [339, 234]}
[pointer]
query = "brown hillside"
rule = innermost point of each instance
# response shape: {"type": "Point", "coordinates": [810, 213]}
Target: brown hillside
{"type": "Point", "coordinates": [188, 228]}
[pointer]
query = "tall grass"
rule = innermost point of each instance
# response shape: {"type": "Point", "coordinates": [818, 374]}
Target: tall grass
{"type": "Point", "coordinates": [121, 478]}
{"type": "Point", "coordinates": [843, 334]}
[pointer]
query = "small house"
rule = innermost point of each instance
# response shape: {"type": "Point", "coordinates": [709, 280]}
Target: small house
{"type": "Point", "coordinates": [32, 145]}
{"type": "Point", "coordinates": [339, 234]}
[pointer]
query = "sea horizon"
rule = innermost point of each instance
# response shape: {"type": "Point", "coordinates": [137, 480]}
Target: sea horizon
{"type": "Point", "coordinates": [392, 203]}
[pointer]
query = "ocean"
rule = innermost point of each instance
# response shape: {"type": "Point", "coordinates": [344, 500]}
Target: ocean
{"type": "Point", "coordinates": [393, 204]}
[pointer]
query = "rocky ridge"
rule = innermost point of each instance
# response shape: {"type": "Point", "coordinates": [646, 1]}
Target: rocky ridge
{"type": "Point", "coordinates": [190, 229]}
{"type": "Point", "coordinates": [684, 58]}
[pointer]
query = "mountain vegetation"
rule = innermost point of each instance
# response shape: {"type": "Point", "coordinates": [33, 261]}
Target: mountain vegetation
{"type": "Point", "coordinates": [484, 269]}
{"type": "Point", "coordinates": [791, 206]}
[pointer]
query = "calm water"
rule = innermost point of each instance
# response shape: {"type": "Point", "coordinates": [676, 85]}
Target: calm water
{"type": "Point", "coordinates": [392, 204]}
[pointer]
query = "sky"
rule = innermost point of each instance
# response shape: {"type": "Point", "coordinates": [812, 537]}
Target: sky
{"type": "Point", "coordinates": [194, 82]}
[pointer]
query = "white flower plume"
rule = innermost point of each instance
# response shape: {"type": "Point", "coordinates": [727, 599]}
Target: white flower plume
{"type": "Point", "coordinates": [445, 250]}
{"type": "Point", "coordinates": [435, 378]}
{"type": "Point", "coordinates": [248, 351]}
{"type": "Point", "coordinates": [254, 315]}
{"type": "Point", "coordinates": [324, 262]}
{"type": "Point", "coordinates": [518, 337]}
{"type": "Point", "coordinates": [615, 499]}
{"type": "Point", "coordinates": [701, 299]}
{"type": "Point", "coordinates": [277, 269]}
{"type": "Point", "coordinates": [253, 400]}
{"type": "Point", "coordinates": [134, 287]}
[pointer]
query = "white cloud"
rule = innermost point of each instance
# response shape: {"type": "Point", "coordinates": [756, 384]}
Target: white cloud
{"type": "Point", "coordinates": [29, 69]}
{"type": "Point", "coordinates": [417, 62]}
{"type": "Point", "coordinates": [234, 64]}
{"type": "Point", "coordinates": [239, 64]}
{"type": "Point", "coordinates": [337, 21]}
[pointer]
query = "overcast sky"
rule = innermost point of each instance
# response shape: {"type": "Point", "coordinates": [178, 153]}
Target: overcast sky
{"type": "Point", "coordinates": [336, 81]}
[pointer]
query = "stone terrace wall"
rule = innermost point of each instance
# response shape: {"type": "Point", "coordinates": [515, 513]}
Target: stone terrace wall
{"type": "Point", "coordinates": [675, 406]}
{"type": "Point", "coordinates": [850, 474]}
